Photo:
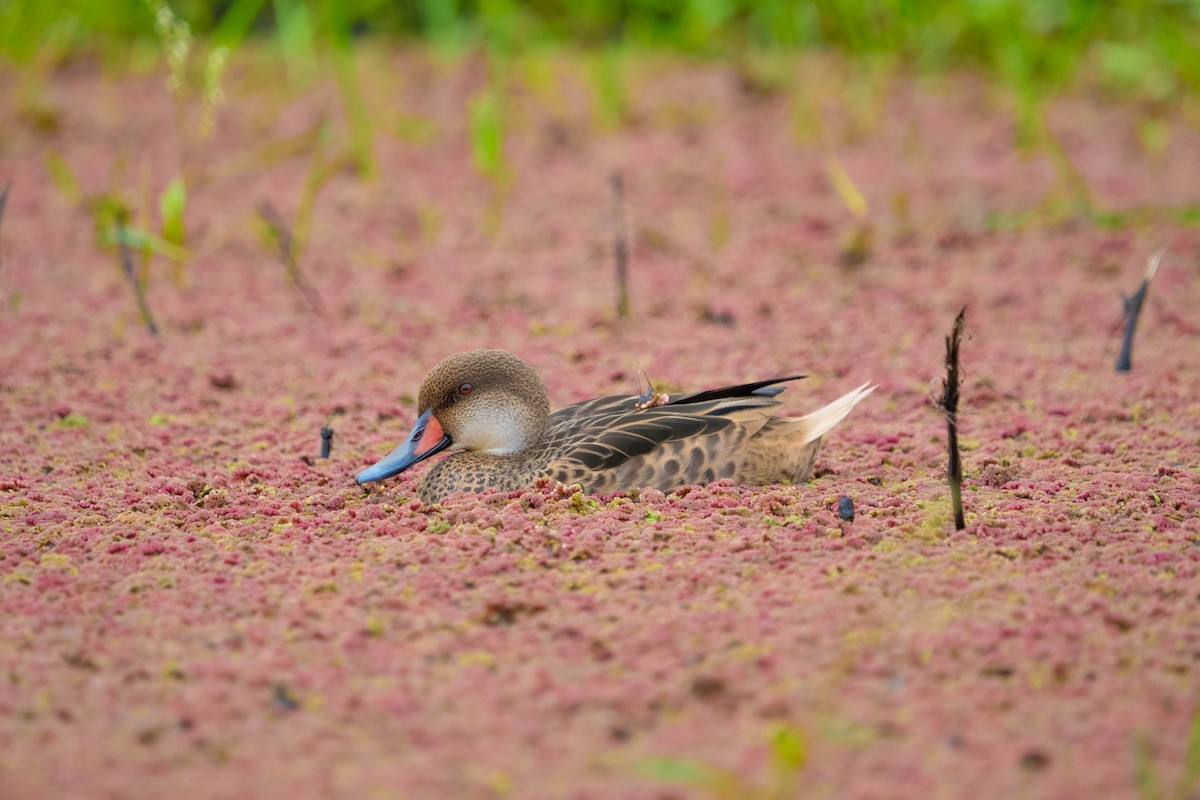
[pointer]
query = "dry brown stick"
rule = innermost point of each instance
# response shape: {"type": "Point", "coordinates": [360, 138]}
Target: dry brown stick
{"type": "Point", "coordinates": [15, 300]}
{"type": "Point", "coordinates": [1133, 308]}
{"type": "Point", "coordinates": [949, 404]}
{"type": "Point", "coordinates": [3, 202]}
{"type": "Point", "coordinates": [287, 254]}
{"type": "Point", "coordinates": [4, 197]}
{"type": "Point", "coordinates": [620, 243]}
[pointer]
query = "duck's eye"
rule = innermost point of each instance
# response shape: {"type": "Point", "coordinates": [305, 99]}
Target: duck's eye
{"type": "Point", "coordinates": [466, 388]}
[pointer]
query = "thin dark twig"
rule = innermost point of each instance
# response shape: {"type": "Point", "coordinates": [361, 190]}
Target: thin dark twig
{"type": "Point", "coordinates": [327, 431]}
{"type": "Point", "coordinates": [949, 405]}
{"type": "Point", "coordinates": [1133, 308]}
{"type": "Point", "coordinates": [3, 202]}
{"type": "Point", "coordinates": [620, 243]}
{"type": "Point", "coordinates": [139, 291]}
{"type": "Point", "coordinates": [4, 197]}
{"type": "Point", "coordinates": [287, 254]}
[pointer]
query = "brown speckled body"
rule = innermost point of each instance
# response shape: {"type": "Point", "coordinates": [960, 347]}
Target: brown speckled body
{"type": "Point", "coordinates": [474, 472]}
{"type": "Point", "coordinates": [505, 438]}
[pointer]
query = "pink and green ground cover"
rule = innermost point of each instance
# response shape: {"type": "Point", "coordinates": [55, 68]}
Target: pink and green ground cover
{"type": "Point", "coordinates": [195, 604]}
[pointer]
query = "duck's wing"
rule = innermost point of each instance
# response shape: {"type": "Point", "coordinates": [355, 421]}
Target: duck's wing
{"type": "Point", "coordinates": [613, 404]}
{"type": "Point", "coordinates": [767, 388]}
{"type": "Point", "coordinates": [608, 442]}
{"type": "Point", "coordinates": [625, 403]}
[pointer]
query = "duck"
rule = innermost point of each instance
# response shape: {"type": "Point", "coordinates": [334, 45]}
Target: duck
{"type": "Point", "coordinates": [490, 410]}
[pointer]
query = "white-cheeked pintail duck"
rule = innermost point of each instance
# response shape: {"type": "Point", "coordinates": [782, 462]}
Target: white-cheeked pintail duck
{"type": "Point", "coordinates": [491, 411]}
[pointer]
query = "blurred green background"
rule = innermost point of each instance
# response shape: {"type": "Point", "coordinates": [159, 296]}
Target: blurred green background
{"type": "Point", "coordinates": [1148, 48]}
{"type": "Point", "coordinates": [1143, 53]}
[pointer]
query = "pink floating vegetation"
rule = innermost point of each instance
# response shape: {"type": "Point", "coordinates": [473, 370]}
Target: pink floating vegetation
{"type": "Point", "coordinates": [196, 604]}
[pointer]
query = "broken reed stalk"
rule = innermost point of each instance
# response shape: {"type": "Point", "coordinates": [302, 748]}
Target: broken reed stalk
{"type": "Point", "coordinates": [15, 298]}
{"type": "Point", "coordinates": [949, 404]}
{"type": "Point", "coordinates": [4, 197]}
{"type": "Point", "coordinates": [327, 431]}
{"type": "Point", "coordinates": [139, 290]}
{"type": "Point", "coordinates": [620, 243]}
{"type": "Point", "coordinates": [3, 202]}
{"type": "Point", "coordinates": [287, 254]}
{"type": "Point", "coordinates": [1133, 308]}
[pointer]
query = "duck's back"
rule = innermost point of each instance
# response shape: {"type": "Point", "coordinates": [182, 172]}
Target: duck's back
{"type": "Point", "coordinates": [615, 443]}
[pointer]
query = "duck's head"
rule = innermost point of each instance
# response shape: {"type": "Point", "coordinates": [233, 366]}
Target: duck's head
{"type": "Point", "coordinates": [486, 401]}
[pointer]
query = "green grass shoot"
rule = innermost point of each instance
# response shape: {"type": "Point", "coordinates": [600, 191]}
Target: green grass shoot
{"type": "Point", "coordinates": [171, 205]}
{"type": "Point", "coordinates": [610, 89]}
{"type": "Point", "coordinates": [486, 118]}
{"type": "Point", "coordinates": [1146, 777]}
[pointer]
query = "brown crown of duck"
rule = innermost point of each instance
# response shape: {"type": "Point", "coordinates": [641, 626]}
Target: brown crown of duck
{"type": "Point", "coordinates": [490, 409]}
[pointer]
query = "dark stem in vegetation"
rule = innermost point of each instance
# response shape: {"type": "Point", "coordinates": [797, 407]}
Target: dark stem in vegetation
{"type": "Point", "coordinates": [620, 243]}
{"type": "Point", "coordinates": [949, 404]}
{"type": "Point", "coordinates": [287, 254]}
{"type": "Point", "coordinates": [846, 508]}
{"type": "Point", "coordinates": [283, 698]}
{"type": "Point", "coordinates": [3, 202]}
{"type": "Point", "coordinates": [4, 197]}
{"type": "Point", "coordinates": [125, 253]}
{"type": "Point", "coordinates": [327, 431]}
{"type": "Point", "coordinates": [1133, 308]}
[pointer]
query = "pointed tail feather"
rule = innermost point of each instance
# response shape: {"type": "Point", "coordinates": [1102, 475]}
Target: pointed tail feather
{"type": "Point", "coordinates": [786, 448]}
{"type": "Point", "coordinates": [821, 421]}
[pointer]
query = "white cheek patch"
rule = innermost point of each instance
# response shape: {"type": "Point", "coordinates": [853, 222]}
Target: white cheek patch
{"type": "Point", "coordinates": [495, 430]}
